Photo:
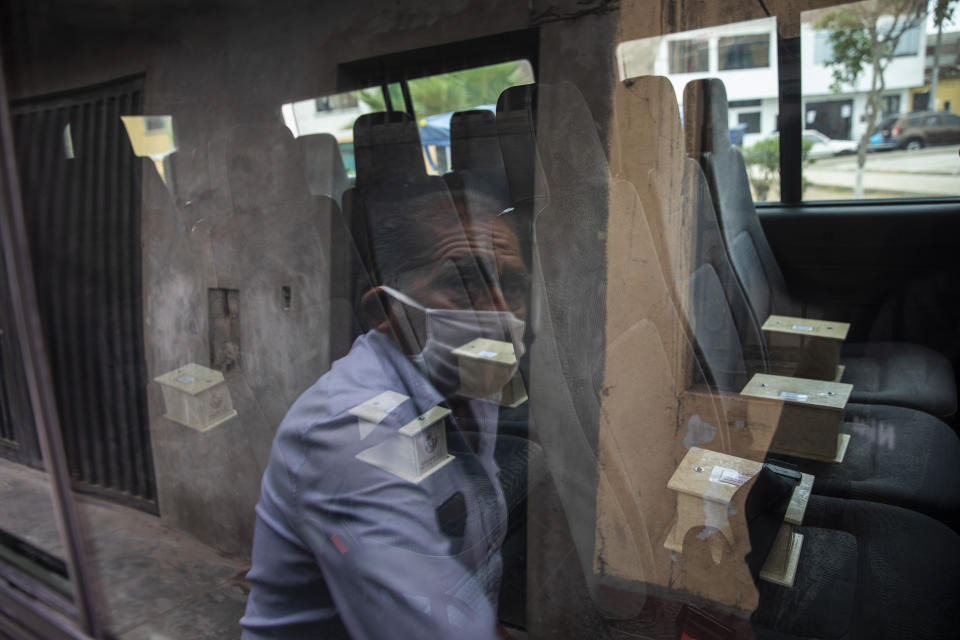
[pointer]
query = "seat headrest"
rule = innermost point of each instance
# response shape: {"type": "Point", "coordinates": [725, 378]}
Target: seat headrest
{"type": "Point", "coordinates": [325, 172]}
{"type": "Point", "coordinates": [516, 118]}
{"type": "Point", "coordinates": [387, 147]}
{"type": "Point", "coordinates": [652, 118]}
{"type": "Point", "coordinates": [705, 117]}
{"type": "Point", "coordinates": [519, 98]}
{"type": "Point", "coordinates": [474, 143]}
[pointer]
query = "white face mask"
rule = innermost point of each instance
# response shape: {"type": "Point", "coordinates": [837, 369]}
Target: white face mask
{"type": "Point", "coordinates": [451, 329]}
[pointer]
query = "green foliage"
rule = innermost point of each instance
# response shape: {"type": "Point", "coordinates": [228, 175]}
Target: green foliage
{"type": "Point", "coordinates": [866, 34]}
{"type": "Point", "coordinates": [456, 90]}
{"type": "Point", "coordinates": [943, 12]}
{"type": "Point", "coordinates": [850, 44]}
{"type": "Point", "coordinates": [373, 98]}
{"type": "Point", "coordinates": [763, 164]}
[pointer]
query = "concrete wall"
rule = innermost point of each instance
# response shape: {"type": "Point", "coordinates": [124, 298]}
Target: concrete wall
{"type": "Point", "coordinates": [235, 213]}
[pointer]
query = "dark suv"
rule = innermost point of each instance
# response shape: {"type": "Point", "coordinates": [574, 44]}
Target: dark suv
{"type": "Point", "coordinates": [921, 128]}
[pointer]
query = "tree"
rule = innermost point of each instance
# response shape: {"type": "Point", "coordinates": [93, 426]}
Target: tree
{"type": "Point", "coordinates": [864, 37]}
{"type": "Point", "coordinates": [942, 12]}
{"type": "Point", "coordinates": [763, 164]}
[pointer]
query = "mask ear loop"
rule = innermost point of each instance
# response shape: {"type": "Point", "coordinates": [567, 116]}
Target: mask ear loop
{"type": "Point", "coordinates": [409, 336]}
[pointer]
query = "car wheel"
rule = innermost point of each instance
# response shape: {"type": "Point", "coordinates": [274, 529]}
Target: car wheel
{"type": "Point", "coordinates": [913, 144]}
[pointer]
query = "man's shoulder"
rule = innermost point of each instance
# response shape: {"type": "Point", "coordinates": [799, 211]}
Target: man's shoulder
{"type": "Point", "coordinates": [373, 385]}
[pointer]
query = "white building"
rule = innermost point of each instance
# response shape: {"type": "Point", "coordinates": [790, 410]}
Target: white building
{"type": "Point", "coordinates": [744, 56]}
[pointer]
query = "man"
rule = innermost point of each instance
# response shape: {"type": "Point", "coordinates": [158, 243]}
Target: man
{"type": "Point", "coordinates": [349, 544]}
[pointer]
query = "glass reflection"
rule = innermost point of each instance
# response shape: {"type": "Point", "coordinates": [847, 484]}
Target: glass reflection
{"type": "Point", "coordinates": [384, 505]}
{"type": "Point", "coordinates": [30, 541]}
{"type": "Point", "coordinates": [151, 137]}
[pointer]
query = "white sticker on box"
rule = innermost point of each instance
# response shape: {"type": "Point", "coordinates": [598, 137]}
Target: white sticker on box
{"type": "Point", "coordinates": [796, 397]}
{"type": "Point", "coordinates": [186, 379]}
{"type": "Point", "coordinates": [728, 476]}
{"type": "Point", "coordinates": [487, 354]}
{"type": "Point", "coordinates": [802, 327]}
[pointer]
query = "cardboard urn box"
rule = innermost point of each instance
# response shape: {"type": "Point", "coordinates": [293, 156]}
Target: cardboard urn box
{"type": "Point", "coordinates": [804, 347]}
{"type": "Point", "coordinates": [705, 482]}
{"type": "Point", "coordinates": [417, 450]}
{"type": "Point", "coordinates": [810, 415]}
{"type": "Point", "coordinates": [482, 362]}
{"type": "Point", "coordinates": [196, 397]}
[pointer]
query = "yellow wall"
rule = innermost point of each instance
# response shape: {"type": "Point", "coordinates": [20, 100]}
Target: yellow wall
{"type": "Point", "coordinates": [948, 90]}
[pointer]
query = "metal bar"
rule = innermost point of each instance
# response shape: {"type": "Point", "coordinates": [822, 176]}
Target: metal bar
{"type": "Point", "coordinates": [94, 255]}
{"type": "Point", "coordinates": [84, 372]}
{"type": "Point", "coordinates": [114, 376]}
{"type": "Point", "coordinates": [143, 458]}
{"type": "Point", "coordinates": [16, 255]}
{"type": "Point", "coordinates": [791, 119]}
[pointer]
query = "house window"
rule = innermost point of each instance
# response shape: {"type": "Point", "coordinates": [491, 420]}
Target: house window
{"type": "Point", "coordinates": [689, 56]}
{"type": "Point", "coordinates": [744, 52]}
{"type": "Point", "coordinates": [751, 119]}
{"type": "Point", "coordinates": [822, 48]}
{"type": "Point", "coordinates": [909, 43]}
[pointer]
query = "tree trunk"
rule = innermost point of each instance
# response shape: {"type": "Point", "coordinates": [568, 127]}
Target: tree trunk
{"type": "Point", "coordinates": [935, 74]}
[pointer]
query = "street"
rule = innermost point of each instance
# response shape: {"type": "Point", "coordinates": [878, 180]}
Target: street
{"type": "Point", "coordinates": [934, 171]}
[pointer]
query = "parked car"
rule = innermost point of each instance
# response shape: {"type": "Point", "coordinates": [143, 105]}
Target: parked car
{"type": "Point", "coordinates": [921, 128]}
{"type": "Point", "coordinates": [882, 138]}
{"type": "Point", "coordinates": [825, 147]}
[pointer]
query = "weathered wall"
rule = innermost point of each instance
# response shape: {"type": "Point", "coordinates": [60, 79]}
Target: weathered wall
{"type": "Point", "coordinates": [235, 212]}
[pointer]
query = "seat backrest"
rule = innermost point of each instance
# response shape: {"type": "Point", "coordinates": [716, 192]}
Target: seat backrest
{"type": "Point", "coordinates": [568, 313]}
{"type": "Point", "coordinates": [516, 126]}
{"type": "Point", "coordinates": [711, 286]}
{"type": "Point", "coordinates": [602, 382]}
{"type": "Point", "coordinates": [652, 159]}
{"type": "Point", "coordinates": [478, 179]}
{"type": "Point", "coordinates": [708, 141]}
{"type": "Point", "coordinates": [474, 142]}
{"type": "Point", "coordinates": [696, 267]}
{"type": "Point", "coordinates": [387, 147]}
{"type": "Point", "coordinates": [325, 172]}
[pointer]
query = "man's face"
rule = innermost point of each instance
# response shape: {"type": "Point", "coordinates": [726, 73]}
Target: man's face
{"type": "Point", "coordinates": [479, 267]}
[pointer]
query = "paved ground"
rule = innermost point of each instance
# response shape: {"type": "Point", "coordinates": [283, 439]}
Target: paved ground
{"type": "Point", "coordinates": [928, 172]}
{"type": "Point", "coordinates": [159, 584]}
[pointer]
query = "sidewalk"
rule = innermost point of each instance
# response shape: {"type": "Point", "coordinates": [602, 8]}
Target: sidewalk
{"type": "Point", "coordinates": [158, 583]}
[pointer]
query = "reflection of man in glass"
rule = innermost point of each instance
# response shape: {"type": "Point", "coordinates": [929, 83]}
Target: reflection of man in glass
{"type": "Point", "coordinates": [365, 527]}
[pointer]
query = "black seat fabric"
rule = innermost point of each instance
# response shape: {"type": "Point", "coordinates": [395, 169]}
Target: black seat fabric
{"type": "Point", "coordinates": [387, 148]}
{"type": "Point", "coordinates": [516, 126]}
{"type": "Point", "coordinates": [866, 571]}
{"type": "Point", "coordinates": [882, 373]}
{"type": "Point", "coordinates": [896, 455]}
{"type": "Point", "coordinates": [474, 142]}
{"type": "Point", "coordinates": [478, 179]}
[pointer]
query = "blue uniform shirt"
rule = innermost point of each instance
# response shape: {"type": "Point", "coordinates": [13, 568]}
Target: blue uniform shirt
{"type": "Point", "coordinates": [342, 547]}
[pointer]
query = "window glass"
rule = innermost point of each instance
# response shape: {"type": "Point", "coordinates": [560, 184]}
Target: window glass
{"type": "Point", "coordinates": [743, 52]}
{"type": "Point", "coordinates": [875, 139]}
{"type": "Point", "coordinates": [740, 55]}
{"type": "Point", "coordinates": [31, 546]}
{"type": "Point", "coordinates": [752, 121]}
{"type": "Point", "coordinates": [491, 351]}
{"type": "Point", "coordinates": [436, 98]}
{"type": "Point", "coordinates": [334, 115]}
{"type": "Point", "coordinates": [688, 56]}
